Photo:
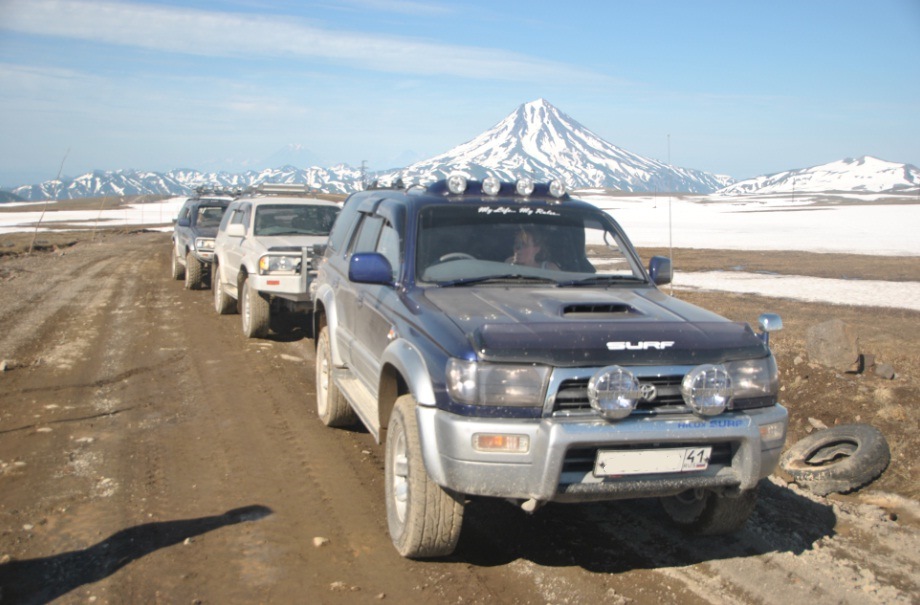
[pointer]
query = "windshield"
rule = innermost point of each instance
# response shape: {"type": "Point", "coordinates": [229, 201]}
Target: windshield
{"type": "Point", "coordinates": [463, 244]}
{"type": "Point", "coordinates": [291, 219]}
{"type": "Point", "coordinates": [209, 216]}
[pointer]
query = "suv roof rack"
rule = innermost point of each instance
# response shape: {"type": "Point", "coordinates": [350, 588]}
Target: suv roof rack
{"type": "Point", "coordinates": [281, 189]}
{"type": "Point", "coordinates": [210, 190]}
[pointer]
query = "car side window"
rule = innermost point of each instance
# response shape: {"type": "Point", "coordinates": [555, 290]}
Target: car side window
{"type": "Point", "coordinates": [368, 233]}
{"type": "Point", "coordinates": [342, 226]}
{"type": "Point", "coordinates": [239, 216]}
{"type": "Point", "coordinates": [388, 246]}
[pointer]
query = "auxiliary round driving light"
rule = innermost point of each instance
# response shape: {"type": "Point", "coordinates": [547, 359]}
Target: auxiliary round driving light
{"type": "Point", "coordinates": [707, 389]}
{"type": "Point", "coordinates": [456, 184]}
{"type": "Point", "coordinates": [556, 188]}
{"type": "Point", "coordinates": [491, 185]}
{"type": "Point", "coordinates": [524, 186]}
{"type": "Point", "coordinates": [613, 392]}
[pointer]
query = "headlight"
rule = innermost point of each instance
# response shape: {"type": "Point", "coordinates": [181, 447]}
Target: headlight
{"type": "Point", "coordinates": [755, 382]}
{"type": "Point", "coordinates": [275, 263]}
{"type": "Point", "coordinates": [475, 383]}
{"type": "Point", "coordinates": [204, 243]}
{"type": "Point", "coordinates": [710, 389]}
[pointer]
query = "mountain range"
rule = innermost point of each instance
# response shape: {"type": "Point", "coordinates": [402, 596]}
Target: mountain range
{"type": "Point", "coordinates": [536, 140]}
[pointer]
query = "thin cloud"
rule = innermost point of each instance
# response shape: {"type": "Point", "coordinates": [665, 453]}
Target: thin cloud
{"type": "Point", "coordinates": [225, 34]}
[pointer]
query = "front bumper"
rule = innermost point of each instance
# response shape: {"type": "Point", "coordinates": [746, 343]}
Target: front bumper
{"type": "Point", "coordinates": [559, 464]}
{"type": "Point", "coordinates": [291, 287]}
{"type": "Point", "coordinates": [205, 256]}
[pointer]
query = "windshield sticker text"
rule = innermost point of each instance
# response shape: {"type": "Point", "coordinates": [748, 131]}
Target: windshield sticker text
{"type": "Point", "coordinates": [523, 210]}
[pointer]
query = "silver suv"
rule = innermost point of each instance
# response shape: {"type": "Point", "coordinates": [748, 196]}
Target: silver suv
{"type": "Point", "coordinates": [263, 255]}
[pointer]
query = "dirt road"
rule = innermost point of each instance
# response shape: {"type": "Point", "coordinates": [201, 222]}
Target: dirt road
{"type": "Point", "coordinates": [151, 454]}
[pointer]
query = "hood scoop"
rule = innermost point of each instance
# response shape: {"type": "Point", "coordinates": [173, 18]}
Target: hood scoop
{"type": "Point", "coordinates": [599, 310]}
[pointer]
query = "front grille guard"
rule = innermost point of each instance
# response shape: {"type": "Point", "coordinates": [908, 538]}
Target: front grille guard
{"type": "Point", "coordinates": [567, 394]}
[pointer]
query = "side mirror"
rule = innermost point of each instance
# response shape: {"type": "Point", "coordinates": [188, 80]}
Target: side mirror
{"type": "Point", "coordinates": [236, 230]}
{"type": "Point", "coordinates": [659, 269]}
{"type": "Point", "coordinates": [769, 322]}
{"type": "Point", "coordinates": [370, 268]}
{"type": "Point", "coordinates": [183, 222]}
{"type": "Point", "coordinates": [319, 249]}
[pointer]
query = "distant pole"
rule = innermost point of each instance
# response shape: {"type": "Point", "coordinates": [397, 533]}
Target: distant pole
{"type": "Point", "coordinates": [40, 218]}
{"type": "Point", "coordinates": [363, 175]}
{"type": "Point", "coordinates": [670, 228]}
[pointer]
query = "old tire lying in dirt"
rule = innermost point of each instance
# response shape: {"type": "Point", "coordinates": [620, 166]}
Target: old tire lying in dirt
{"type": "Point", "coordinates": [707, 513]}
{"type": "Point", "coordinates": [839, 459]}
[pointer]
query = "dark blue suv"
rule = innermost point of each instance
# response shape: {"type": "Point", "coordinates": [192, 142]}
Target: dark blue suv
{"type": "Point", "coordinates": [504, 340]}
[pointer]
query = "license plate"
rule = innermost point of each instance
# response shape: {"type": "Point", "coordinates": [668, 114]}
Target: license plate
{"type": "Point", "coordinates": [641, 462]}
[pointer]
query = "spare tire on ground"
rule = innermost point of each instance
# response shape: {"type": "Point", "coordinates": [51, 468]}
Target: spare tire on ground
{"type": "Point", "coordinates": [839, 459]}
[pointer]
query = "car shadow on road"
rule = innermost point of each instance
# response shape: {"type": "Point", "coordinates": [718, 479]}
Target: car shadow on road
{"type": "Point", "coordinates": [614, 537]}
{"type": "Point", "coordinates": [43, 580]}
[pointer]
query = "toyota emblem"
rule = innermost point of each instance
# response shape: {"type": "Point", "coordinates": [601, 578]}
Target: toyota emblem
{"type": "Point", "coordinates": [647, 392]}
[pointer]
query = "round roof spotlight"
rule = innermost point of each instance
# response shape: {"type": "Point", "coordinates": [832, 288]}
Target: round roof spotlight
{"type": "Point", "coordinates": [491, 185]}
{"type": "Point", "coordinates": [456, 184]}
{"type": "Point", "coordinates": [556, 188]}
{"type": "Point", "coordinates": [524, 186]}
{"type": "Point", "coordinates": [613, 392]}
{"type": "Point", "coordinates": [707, 389]}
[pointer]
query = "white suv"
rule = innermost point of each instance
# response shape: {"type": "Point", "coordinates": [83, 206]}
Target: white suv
{"type": "Point", "coordinates": [263, 255]}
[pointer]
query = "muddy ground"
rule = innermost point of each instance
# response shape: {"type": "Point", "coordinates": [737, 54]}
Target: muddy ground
{"type": "Point", "coordinates": [150, 453]}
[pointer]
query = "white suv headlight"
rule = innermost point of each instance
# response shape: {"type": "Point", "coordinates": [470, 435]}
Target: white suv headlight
{"type": "Point", "coordinates": [476, 383]}
{"type": "Point", "coordinates": [276, 263]}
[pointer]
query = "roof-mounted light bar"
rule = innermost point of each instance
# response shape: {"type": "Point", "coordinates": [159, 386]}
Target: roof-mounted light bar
{"type": "Point", "coordinates": [524, 188]}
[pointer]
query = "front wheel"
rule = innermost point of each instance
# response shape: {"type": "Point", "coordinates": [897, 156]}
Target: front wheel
{"type": "Point", "coordinates": [331, 406]}
{"type": "Point", "coordinates": [424, 519]}
{"type": "Point", "coordinates": [223, 302]}
{"type": "Point", "coordinates": [178, 271]}
{"type": "Point", "coordinates": [708, 513]}
{"type": "Point", "coordinates": [255, 311]}
{"type": "Point", "coordinates": [194, 272]}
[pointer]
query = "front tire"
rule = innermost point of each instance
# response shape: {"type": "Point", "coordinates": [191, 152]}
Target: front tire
{"type": "Point", "coordinates": [223, 302]}
{"type": "Point", "coordinates": [255, 312]}
{"type": "Point", "coordinates": [707, 513]}
{"type": "Point", "coordinates": [194, 272]}
{"type": "Point", "coordinates": [331, 406]}
{"type": "Point", "coordinates": [178, 271]}
{"type": "Point", "coordinates": [424, 519]}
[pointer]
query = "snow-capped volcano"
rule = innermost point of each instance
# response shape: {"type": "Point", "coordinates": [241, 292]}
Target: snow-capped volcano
{"type": "Point", "coordinates": [866, 175]}
{"type": "Point", "coordinates": [540, 141]}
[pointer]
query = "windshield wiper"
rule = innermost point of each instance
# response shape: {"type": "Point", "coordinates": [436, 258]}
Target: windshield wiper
{"type": "Point", "coordinates": [465, 281]}
{"type": "Point", "coordinates": [600, 280]}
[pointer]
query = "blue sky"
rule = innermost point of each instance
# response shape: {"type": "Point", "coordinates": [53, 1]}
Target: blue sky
{"type": "Point", "coordinates": [741, 88]}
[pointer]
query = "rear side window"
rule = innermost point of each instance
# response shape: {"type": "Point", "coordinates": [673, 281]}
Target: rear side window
{"type": "Point", "coordinates": [342, 227]}
{"type": "Point", "coordinates": [367, 236]}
